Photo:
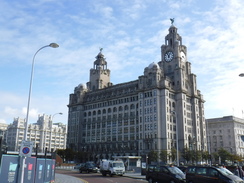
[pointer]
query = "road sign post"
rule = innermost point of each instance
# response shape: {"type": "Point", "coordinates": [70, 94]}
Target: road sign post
{"type": "Point", "coordinates": [26, 148]}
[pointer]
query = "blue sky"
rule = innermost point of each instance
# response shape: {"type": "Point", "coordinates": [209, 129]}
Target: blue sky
{"type": "Point", "coordinates": [131, 33]}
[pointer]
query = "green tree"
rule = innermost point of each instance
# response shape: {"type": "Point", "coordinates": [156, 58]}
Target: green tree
{"type": "Point", "coordinates": [163, 156]}
{"type": "Point", "coordinates": [66, 154]}
{"type": "Point", "coordinates": [224, 155]}
{"type": "Point", "coordinates": [152, 156]}
{"type": "Point", "coordinates": [215, 155]}
{"type": "Point", "coordinates": [69, 154]}
{"type": "Point", "coordinates": [186, 154]}
{"type": "Point", "coordinates": [173, 154]}
{"type": "Point", "coordinates": [235, 158]}
{"type": "Point", "coordinates": [81, 156]}
{"type": "Point", "coordinates": [61, 153]}
{"type": "Point", "coordinates": [205, 155]}
{"type": "Point", "coordinates": [198, 155]}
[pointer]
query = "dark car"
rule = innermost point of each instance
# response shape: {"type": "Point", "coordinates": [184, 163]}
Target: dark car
{"type": "Point", "coordinates": [209, 174]}
{"type": "Point", "coordinates": [183, 168]}
{"type": "Point", "coordinates": [164, 174]}
{"type": "Point", "coordinates": [77, 166]}
{"type": "Point", "coordinates": [88, 167]}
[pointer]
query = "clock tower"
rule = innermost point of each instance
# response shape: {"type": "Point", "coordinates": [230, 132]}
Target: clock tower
{"type": "Point", "coordinates": [99, 74]}
{"type": "Point", "coordinates": [161, 110]}
{"type": "Point", "coordinates": [174, 62]}
{"type": "Point", "coordinates": [182, 85]}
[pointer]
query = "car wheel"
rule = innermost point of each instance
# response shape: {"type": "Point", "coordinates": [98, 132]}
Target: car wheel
{"type": "Point", "coordinates": [150, 180]}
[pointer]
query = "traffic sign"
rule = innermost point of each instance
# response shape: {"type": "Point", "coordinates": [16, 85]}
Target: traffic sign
{"type": "Point", "coordinates": [26, 148]}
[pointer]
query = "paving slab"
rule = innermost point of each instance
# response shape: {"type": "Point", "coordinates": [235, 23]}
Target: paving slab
{"type": "Point", "coordinates": [62, 178]}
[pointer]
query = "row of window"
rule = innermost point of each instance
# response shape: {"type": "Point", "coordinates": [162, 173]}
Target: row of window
{"type": "Point", "coordinates": [111, 102]}
{"type": "Point", "coordinates": [109, 110]}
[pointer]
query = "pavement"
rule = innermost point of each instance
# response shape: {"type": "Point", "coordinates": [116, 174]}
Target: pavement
{"type": "Point", "coordinates": [135, 175]}
{"type": "Point", "coordinates": [62, 178]}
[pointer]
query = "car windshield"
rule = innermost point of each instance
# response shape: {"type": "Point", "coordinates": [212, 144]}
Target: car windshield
{"type": "Point", "coordinates": [225, 171]}
{"type": "Point", "coordinates": [118, 164]}
{"type": "Point", "coordinates": [90, 164]}
{"type": "Point", "coordinates": [175, 170]}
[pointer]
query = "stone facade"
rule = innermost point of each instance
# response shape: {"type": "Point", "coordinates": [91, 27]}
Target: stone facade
{"type": "Point", "coordinates": [139, 116]}
{"type": "Point", "coordinates": [226, 132]}
{"type": "Point", "coordinates": [44, 134]}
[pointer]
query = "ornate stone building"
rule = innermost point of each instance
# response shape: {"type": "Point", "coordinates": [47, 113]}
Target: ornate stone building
{"type": "Point", "coordinates": [138, 116]}
{"type": "Point", "coordinates": [44, 134]}
{"type": "Point", "coordinates": [226, 133]}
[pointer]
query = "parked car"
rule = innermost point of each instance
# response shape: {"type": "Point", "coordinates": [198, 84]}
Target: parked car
{"type": "Point", "coordinates": [77, 166]}
{"type": "Point", "coordinates": [88, 167]}
{"type": "Point", "coordinates": [164, 174]}
{"type": "Point", "coordinates": [208, 174]}
{"type": "Point", "coordinates": [183, 168]}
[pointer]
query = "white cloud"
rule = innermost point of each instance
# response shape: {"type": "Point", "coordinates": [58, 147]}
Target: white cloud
{"type": "Point", "coordinates": [131, 33]}
{"type": "Point", "coordinates": [2, 121]}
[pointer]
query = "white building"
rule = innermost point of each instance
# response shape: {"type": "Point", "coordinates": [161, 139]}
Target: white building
{"type": "Point", "coordinates": [226, 132]}
{"type": "Point", "coordinates": [3, 129]}
{"type": "Point", "coordinates": [44, 134]}
{"type": "Point", "coordinates": [139, 116]}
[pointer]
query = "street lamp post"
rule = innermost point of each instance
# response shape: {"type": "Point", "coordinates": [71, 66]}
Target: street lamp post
{"type": "Point", "coordinates": [51, 127]}
{"type": "Point", "coordinates": [23, 158]}
{"type": "Point", "coordinates": [53, 45]}
{"type": "Point", "coordinates": [177, 138]}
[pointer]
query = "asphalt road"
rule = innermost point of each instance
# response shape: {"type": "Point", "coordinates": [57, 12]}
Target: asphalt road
{"type": "Point", "coordinates": [98, 178]}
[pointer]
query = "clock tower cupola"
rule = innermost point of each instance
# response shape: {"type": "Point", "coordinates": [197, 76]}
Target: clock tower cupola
{"type": "Point", "coordinates": [99, 74]}
{"type": "Point", "coordinates": [174, 62]}
{"type": "Point", "coordinates": [173, 47]}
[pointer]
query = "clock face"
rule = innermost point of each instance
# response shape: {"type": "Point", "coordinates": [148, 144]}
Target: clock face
{"type": "Point", "coordinates": [168, 56]}
{"type": "Point", "coordinates": [183, 56]}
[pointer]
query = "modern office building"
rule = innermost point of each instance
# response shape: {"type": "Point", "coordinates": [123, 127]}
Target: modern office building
{"type": "Point", "coordinates": [226, 132]}
{"type": "Point", "coordinates": [45, 134]}
{"type": "Point", "coordinates": [136, 117]}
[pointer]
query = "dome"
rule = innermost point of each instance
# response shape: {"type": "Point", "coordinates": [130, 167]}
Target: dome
{"type": "Point", "coordinates": [153, 65]}
{"type": "Point", "coordinates": [83, 86]}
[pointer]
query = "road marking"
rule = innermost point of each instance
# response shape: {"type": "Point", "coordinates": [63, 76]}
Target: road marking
{"type": "Point", "coordinates": [83, 180]}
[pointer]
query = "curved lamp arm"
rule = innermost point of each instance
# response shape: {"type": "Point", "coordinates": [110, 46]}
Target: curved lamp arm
{"type": "Point", "coordinates": [53, 45]}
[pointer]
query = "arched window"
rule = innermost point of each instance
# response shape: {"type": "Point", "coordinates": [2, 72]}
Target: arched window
{"type": "Point", "coordinates": [99, 112]}
{"type": "Point", "coordinates": [132, 106]}
{"type": "Point", "coordinates": [120, 108]}
{"type": "Point", "coordinates": [109, 110]}
{"type": "Point", "coordinates": [94, 113]}
{"type": "Point", "coordinates": [126, 107]}
{"type": "Point", "coordinates": [104, 111]}
{"type": "Point", "coordinates": [114, 109]}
